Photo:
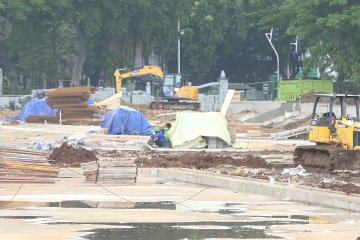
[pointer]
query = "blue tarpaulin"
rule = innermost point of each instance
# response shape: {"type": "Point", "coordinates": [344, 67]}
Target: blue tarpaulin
{"type": "Point", "coordinates": [125, 120]}
{"type": "Point", "coordinates": [36, 107]}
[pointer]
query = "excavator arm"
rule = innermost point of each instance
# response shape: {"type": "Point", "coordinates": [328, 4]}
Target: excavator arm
{"type": "Point", "coordinates": [146, 70]}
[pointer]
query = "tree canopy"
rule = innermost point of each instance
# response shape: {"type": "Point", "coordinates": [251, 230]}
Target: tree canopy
{"type": "Point", "coordinates": [78, 39]}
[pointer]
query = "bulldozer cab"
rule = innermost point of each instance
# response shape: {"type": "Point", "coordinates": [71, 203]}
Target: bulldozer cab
{"type": "Point", "coordinates": [333, 113]}
{"type": "Point", "coordinates": [335, 125]}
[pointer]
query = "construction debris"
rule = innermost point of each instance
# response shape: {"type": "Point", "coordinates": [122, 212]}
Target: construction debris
{"type": "Point", "coordinates": [111, 171]}
{"type": "Point", "coordinates": [18, 165]}
{"type": "Point", "coordinates": [291, 133]}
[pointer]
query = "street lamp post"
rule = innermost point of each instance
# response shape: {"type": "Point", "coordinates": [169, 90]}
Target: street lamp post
{"type": "Point", "coordinates": [179, 33]}
{"type": "Point", "coordinates": [269, 38]}
{"type": "Point", "coordinates": [178, 46]}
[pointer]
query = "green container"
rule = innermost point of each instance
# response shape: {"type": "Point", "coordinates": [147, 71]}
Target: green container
{"type": "Point", "coordinates": [289, 90]}
{"type": "Point", "coordinates": [273, 81]}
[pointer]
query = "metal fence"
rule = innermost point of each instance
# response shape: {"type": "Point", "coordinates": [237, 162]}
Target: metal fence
{"type": "Point", "coordinates": [18, 90]}
{"type": "Point", "coordinates": [254, 91]}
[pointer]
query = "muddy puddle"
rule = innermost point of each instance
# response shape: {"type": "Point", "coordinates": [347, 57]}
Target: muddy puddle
{"type": "Point", "coordinates": [194, 231]}
{"type": "Point", "coordinates": [250, 225]}
{"type": "Point", "coordinates": [249, 228]}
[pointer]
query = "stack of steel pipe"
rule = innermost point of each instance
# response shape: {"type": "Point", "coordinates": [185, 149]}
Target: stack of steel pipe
{"type": "Point", "coordinates": [72, 102]}
{"type": "Point", "coordinates": [18, 165]}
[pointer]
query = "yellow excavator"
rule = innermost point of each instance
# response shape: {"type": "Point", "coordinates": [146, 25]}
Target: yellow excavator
{"type": "Point", "coordinates": [153, 72]}
{"type": "Point", "coordinates": [336, 134]}
{"type": "Point", "coordinates": [168, 90]}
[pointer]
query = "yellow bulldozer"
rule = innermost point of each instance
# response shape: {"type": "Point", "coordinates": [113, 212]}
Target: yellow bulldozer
{"type": "Point", "coordinates": [336, 134]}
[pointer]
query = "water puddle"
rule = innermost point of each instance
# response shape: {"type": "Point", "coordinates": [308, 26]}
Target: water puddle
{"type": "Point", "coordinates": [250, 227]}
{"type": "Point", "coordinates": [22, 217]}
{"type": "Point", "coordinates": [167, 205]}
{"type": "Point", "coordinates": [194, 231]}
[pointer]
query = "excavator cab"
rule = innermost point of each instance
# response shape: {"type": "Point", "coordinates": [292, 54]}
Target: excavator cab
{"type": "Point", "coordinates": [172, 83]}
{"type": "Point", "coordinates": [176, 85]}
{"type": "Point", "coordinates": [336, 134]}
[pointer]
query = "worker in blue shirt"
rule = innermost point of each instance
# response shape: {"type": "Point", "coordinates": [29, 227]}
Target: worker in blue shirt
{"type": "Point", "coordinates": [158, 138]}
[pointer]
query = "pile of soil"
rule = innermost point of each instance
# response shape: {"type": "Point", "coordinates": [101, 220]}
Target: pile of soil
{"type": "Point", "coordinates": [309, 97]}
{"type": "Point", "coordinates": [68, 155]}
{"type": "Point", "coordinates": [198, 160]}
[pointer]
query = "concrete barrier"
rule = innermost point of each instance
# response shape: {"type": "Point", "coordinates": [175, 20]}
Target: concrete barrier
{"type": "Point", "coordinates": [274, 113]}
{"type": "Point", "coordinates": [260, 187]}
{"type": "Point", "coordinates": [14, 102]}
{"type": "Point", "coordinates": [255, 106]}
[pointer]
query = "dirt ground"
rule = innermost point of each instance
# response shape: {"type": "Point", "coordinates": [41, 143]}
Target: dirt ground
{"type": "Point", "coordinates": [7, 113]}
{"type": "Point", "coordinates": [245, 164]}
{"type": "Point", "coordinates": [253, 166]}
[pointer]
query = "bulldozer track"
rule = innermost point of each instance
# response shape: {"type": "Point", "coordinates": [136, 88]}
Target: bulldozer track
{"type": "Point", "coordinates": [328, 157]}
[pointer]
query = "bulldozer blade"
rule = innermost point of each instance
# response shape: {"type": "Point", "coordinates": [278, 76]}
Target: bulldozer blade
{"type": "Point", "coordinates": [328, 157]}
{"type": "Point", "coordinates": [346, 159]}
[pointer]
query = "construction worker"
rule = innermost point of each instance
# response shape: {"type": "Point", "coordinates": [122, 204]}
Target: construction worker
{"type": "Point", "coordinates": [166, 133]}
{"type": "Point", "coordinates": [158, 138]}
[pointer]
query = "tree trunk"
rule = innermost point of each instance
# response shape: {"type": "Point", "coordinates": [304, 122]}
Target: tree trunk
{"type": "Point", "coordinates": [1, 82]}
{"type": "Point", "coordinates": [79, 61]}
{"type": "Point", "coordinates": [44, 81]}
{"type": "Point", "coordinates": [139, 59]}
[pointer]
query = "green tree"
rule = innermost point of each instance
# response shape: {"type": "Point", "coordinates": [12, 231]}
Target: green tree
{"type": "Point", "coordinates": [328, 27]}
{"type": "Point", "coordinates": [210, 23]}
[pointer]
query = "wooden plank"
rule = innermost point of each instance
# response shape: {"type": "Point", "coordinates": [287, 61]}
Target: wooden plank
{"type": "Point", "coordinates": [116, 176]}
{"type": "Point", "coordinates": [116, 164]}
{"type": "Point", "coordinates": [27, 181]}
{"type": "Point", "coordinates": [119, 181]}
{"type": "Point", "coordinates": [227, 101]}
{"type": "Point", "coordinates": [128, 167]}
{"type": "Point", "coordinates": [118, 171]}
{"type": "Point", "coordinates": [111, 101]}
{"type": "Point", "coordinates": [22, 151]}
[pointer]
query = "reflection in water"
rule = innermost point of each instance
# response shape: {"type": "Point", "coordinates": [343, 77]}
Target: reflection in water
{"type": "Point", "coordinates": [194, 231]}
